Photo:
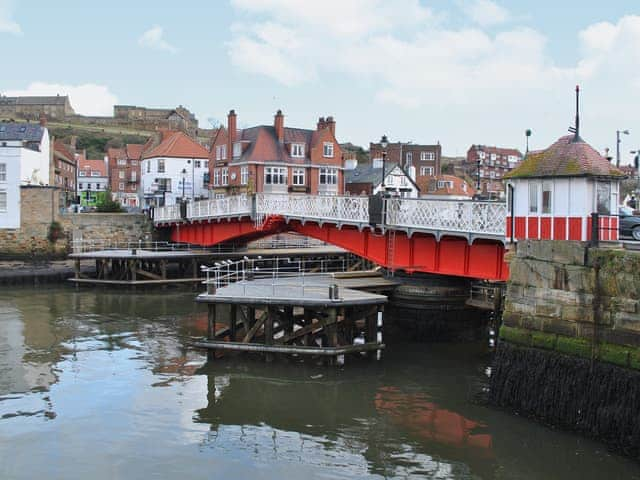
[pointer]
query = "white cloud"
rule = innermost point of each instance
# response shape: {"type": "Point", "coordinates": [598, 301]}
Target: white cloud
{"type": "Point", "coordinates": [7, 23]}
{"type": "Point", "coordinates": [153, 38]}
{"type": "Point", "coordinates": [86, 99]}
{"type": "Point", "coordinates": [486, 13]}
{"type": "Point", "coordinates": [490, 83]}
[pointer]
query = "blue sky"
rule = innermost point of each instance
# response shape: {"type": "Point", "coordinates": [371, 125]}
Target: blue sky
{"type": "Point", "coordinates": [458, 72]}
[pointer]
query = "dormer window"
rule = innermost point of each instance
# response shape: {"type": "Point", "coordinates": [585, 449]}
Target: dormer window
{"type": "Point", "coordinates": [297, 150]}
{"type": "Point", "coordinates": [237, 150]}
{"type": "Point", "coordinates": [327, 149]}
{"type": "Point", "coordinates": [221, 152]}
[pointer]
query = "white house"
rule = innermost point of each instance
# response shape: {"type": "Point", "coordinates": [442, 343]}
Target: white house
{"type": "Point", "coordinates": [24, 160]}
{"type": "Point", "coordinates": [177, 168]}
{"type": "Point", "coordinates": [367, 179]}
{"type": "Point", "coordinates": [92, 178]}
{"type": "Point", "coordinates": [553, 192]}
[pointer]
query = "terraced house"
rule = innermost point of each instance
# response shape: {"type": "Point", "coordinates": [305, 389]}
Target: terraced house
{"type": "Point", "coordinates": [124, 173]}
{"type": "Point", "coordinates": [276, 159]}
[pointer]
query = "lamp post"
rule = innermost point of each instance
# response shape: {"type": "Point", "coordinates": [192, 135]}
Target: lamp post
{"type": "Point", "coordinates": [636, 165]}
{"type": "Point", "coordinates": [618, 132]}
{"type": "Point", "coordinates": [527, 134]}
{"type": "Point", "coordinates": [478, 165]}
{"type": "Point", "coordinates": [384, 142]}
{"type": "Point", "coordinates": [184, 176]}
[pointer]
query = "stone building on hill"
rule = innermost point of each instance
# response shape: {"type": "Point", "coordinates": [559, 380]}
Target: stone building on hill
{"type": "Point", "coordinates": [31, 108]}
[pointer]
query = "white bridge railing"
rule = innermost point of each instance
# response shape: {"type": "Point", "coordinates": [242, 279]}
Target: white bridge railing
{"type": "Point", "coordinates": [233, 206]}
{"type": "Point", "coordinates": [467, 218]}
{"type": "Point", "coordinates": [480, 218]}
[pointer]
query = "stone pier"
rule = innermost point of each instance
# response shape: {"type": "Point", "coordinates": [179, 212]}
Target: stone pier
{"type": "Point", "coordinates": [569, 350]}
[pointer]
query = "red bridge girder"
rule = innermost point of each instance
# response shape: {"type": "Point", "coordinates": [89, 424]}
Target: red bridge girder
{"type": "Point", "coordinates": [483, 259]}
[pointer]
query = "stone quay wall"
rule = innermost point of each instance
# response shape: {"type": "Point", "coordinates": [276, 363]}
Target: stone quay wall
{"type": "Point", "coordinates": [576, 300]}
{"type": "Point", "coordinates": [39, 209]}
{"type": "Point", "coordinates": [569, 349]}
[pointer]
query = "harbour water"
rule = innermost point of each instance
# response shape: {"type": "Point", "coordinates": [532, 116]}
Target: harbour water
{"type": "Point", "coordinates": [103, 384]}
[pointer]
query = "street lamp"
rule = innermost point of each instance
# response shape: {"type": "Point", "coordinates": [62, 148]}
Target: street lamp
{"type": "Point", "coordinates": [184, 176]}
{"type": "Point", "coordinates": [618, 132]}
{"type": "Point", "coordinates": [384, 142]}
{"type": "Point", "coordinates": [527, 134]}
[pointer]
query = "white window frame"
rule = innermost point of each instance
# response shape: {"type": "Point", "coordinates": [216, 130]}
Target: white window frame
{"type": "Point", "coordinates": [279, 174]}
{"type": "Point", "coordinates": [534, 193]}
{"type": "Point", "coordinates": [225, 176]}
{"type": "Point", "coordinates": [244, 175]}
{"type": "Point", "coordinates": [409, 158]}
{"type": "Point", "coordinates": [237, 150]}
{"type": "Point", "coordinates": [3, 172]}
{"type": "Point", "coordinates": [327, 149]}
{"type": "Point", "coordinates": [134, 176]}
{"type": "Point", "coordinates": [148, 166]}
{"type": "Point", "coordinates": [330, 175]}
{"type": "Point", "coordinates": [426, 171]}
{"type": "Point", "coordinates": [221, 152]}
{"type": "Point", "coordinates": [121, 174]}
{"type": "Point", "coordinates": [197, 164]}
{"type": "Point", "coordinates": [216, 177]}
{"type": "Point", "coordinates": [121, 186]}
{"type": "Point", "coordinates": [298, 177]}
{"type": "Point", "coordinates": [81, 173]}
{"type": "Point", "coordinates": [4, 201]}
{"type": "Point", "coordinates": [161, 167]}
{"type": "Point", "coordinates": [297, 150]}
{"type": "Point", "coordinates": [547, 186]}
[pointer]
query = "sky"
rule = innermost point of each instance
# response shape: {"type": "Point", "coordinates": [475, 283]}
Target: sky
{"type": "Point", "coordinates": [460, 72]}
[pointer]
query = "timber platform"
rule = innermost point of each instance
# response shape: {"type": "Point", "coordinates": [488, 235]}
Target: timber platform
{"type": "Point", "coordinates": [327, 315]}
{"type": "Point", "coordinates": [140, 266]}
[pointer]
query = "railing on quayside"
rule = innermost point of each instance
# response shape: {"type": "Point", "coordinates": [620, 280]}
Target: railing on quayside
{"type": "Point", "coordinates": [598, 227]}
{"type": "Point", "coordinates": [296, 274]}
{"type": "Point", "coordinates": [82, 246]}
{"type": "Point", "coordinates": [463, 216]}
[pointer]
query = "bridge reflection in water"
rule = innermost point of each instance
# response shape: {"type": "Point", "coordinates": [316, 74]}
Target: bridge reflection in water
{"type": "Point", "coordinates": [461, 238]}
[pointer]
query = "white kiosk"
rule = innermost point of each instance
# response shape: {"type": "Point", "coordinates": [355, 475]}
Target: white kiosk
{"type": "Point", "coordinates": [553, 193]}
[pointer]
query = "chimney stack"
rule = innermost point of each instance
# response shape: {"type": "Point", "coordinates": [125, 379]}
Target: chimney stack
{"type": "Point", "coordinates": [43, 119]}
{"type": "Point", "coordinates": [278, 124]}
{"type": "Point", "coordinates": [232, 132]}
{"type": "Point", "coordinates": [321, 124]}
{"type": "Point", "coordinates": [331, 124]}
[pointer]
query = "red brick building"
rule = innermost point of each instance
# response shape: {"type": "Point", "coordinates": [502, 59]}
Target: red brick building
{"type": "Point", "coordinates": [64, 169]}
{"type": "Point", "coordinates": [426, 159]}
{"type": "Point", "coordinates": [276, 159]}
{"type": "Point", "coordinates": [495, 162]}
{"type": "Point", "coordinates": [448, 187]}
{"type": "Point", "coordinates": [124, 173]}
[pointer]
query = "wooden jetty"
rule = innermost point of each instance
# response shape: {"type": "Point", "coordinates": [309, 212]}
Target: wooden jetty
{"type": "Point", "coordinates": [320, 315]}
{"type": "Point", "coordinates": [140, 266]}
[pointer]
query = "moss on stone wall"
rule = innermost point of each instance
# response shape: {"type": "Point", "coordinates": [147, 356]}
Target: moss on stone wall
{"type": "Point", "coordinates": [624, 356]}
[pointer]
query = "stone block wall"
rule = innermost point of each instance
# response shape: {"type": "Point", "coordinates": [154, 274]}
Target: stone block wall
{"type": "Point", "coordinates": [576, 300]}
{"type": "Point", "coordinates": [107, 228]}
{"type": "Point", "coordinates": [40, 207]}
{"type": "Point", "coordinates": [569, 349]}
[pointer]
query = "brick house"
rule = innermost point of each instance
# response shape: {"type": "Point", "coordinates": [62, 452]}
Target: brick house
{"type": "Point", "coordinates": [64, 171]}
{"type": "Point", "coordinates": [124, 173]}
{"type": "Point", "coordinates": [426, 159]}
{"type": "Point", "coordinates": [495, 163]}
{"type": "Point", "coordinates": [446, 187]}
{"type": "Point", "coordinates": [276, 159]}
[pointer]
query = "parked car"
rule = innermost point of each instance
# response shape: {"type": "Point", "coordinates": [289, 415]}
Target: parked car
{"type": "Point", "coordinates": [629, 223]}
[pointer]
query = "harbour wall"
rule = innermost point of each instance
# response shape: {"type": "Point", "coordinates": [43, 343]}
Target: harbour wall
{"type": "Point", "coordinates": [569, 349]}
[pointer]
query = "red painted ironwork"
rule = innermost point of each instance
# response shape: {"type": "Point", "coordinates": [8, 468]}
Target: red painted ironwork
{"type": "Point", "coordinates": [421, 252]}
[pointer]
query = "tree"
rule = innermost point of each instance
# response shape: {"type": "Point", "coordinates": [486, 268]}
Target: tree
{"type": "Point", "coordinates": [109, 205]}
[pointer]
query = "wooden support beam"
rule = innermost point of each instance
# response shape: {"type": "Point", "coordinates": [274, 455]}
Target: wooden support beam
{"type": "Point", "coordinates": [268, 330]}
{"type": "Point", "coordinates": [296, 349]}
{"type": "Point", "coordinates": [252, 331]}
{"type": "Point", "coordinates": [211, 328]}
{"type": "Point", "coordinates": [147, 274]}
{"type": "Point", "coordinates": [233, 313]}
